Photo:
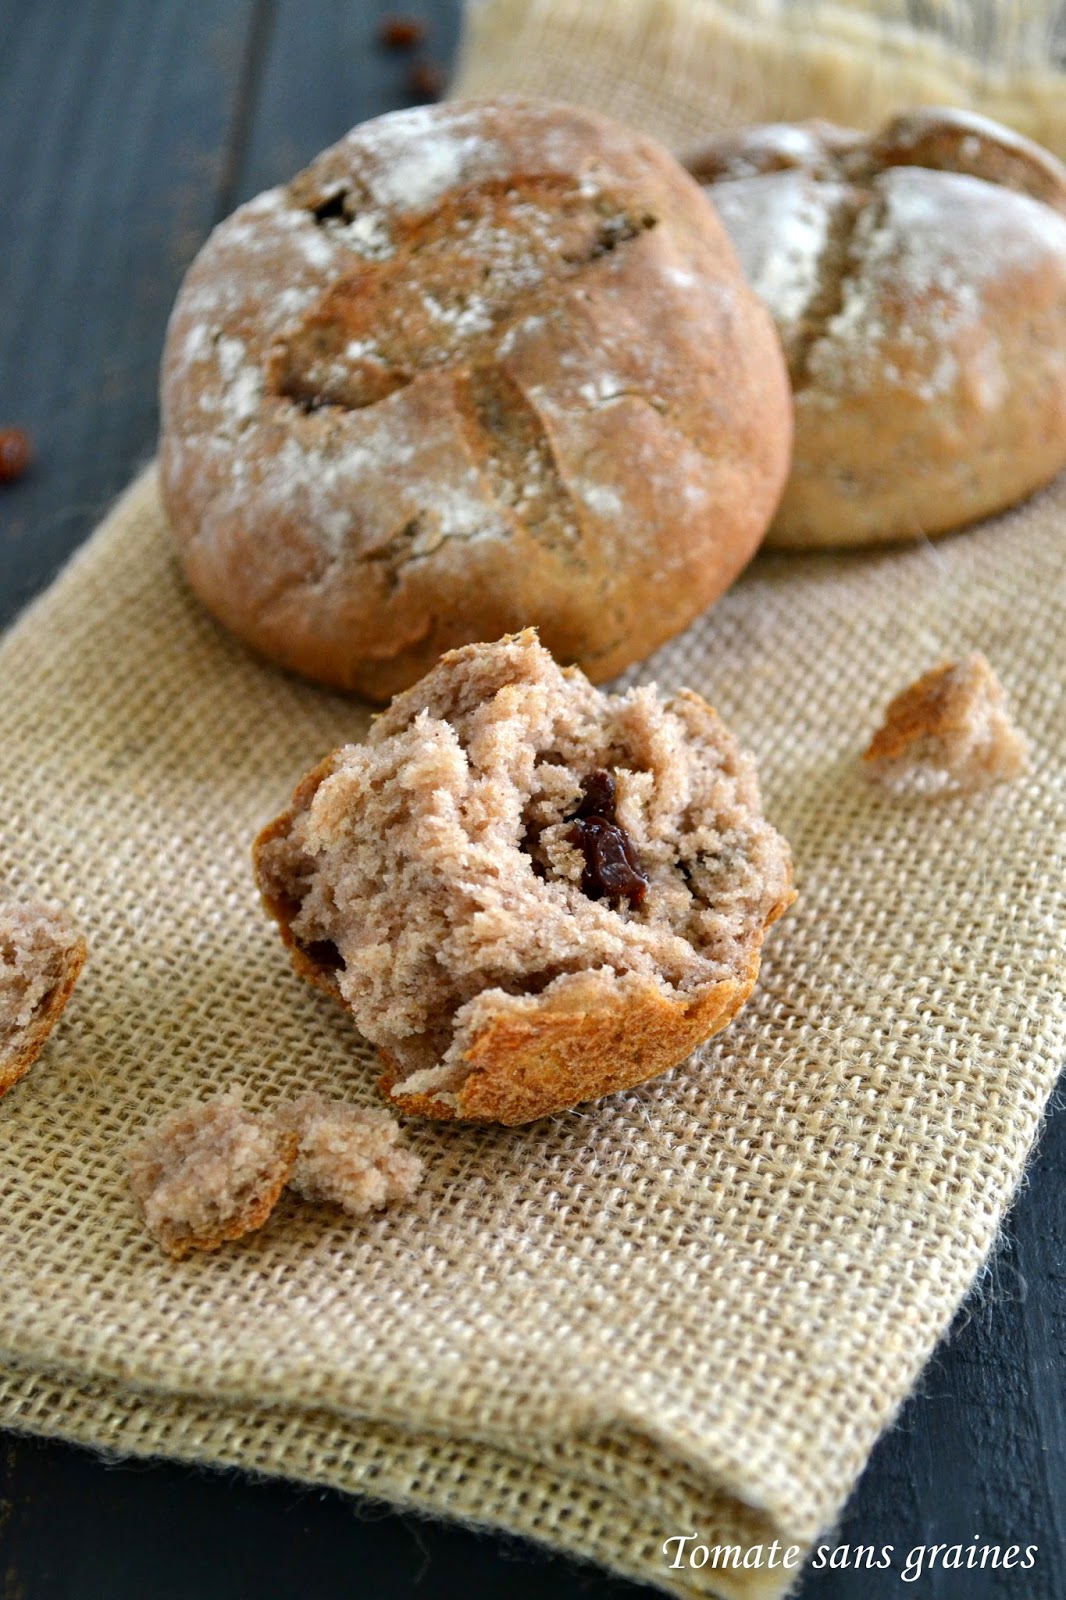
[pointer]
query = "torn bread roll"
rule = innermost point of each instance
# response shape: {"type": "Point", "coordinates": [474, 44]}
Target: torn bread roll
{"type": "Point", "coordinates": [527, 892]}
{"type": "Point", "coordinates": [917, 278]}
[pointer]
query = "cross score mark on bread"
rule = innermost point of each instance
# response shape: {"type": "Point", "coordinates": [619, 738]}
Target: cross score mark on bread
{"type": "Point", "coordinates": [479, 366]}
{"type": "Point", "coordinates": [918, 282]}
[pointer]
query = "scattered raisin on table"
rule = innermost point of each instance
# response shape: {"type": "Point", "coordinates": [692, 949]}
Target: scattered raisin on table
{"type": "Point", "coordinates": [426, 80]}
{"type": "Point", "coordinates": [16, 453]}
{"type": "Point", "coordinates": [400, 33]}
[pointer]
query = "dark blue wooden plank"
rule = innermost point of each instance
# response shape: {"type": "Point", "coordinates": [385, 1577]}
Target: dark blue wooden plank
{"type": "Point", "coordinates": [324, 74]}
{"type": "Point", "coordinates": [72, 1528]}
{"type": "Point", "coordinates": [114, 117]}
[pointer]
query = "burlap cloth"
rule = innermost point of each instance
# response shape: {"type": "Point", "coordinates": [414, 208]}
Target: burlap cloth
{"type": "Point", "coordinates": [690, 1308]}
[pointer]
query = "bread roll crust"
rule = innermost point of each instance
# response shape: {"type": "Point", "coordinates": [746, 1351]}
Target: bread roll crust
{"type": "Point", "coordinates": [577, 1046]}
{"type": "Point", "coordinates": [427, 881]}
{"type": "Point", "coordinates": [478, 366]}
{"type": "Point", "coordinates": [918, 282]}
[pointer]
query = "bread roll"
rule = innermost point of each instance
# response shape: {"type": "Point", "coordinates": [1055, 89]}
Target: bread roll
{"type": "Point", "coordinates": [478, 366]}
{"type": "Point", "coordinates": [917, 278]}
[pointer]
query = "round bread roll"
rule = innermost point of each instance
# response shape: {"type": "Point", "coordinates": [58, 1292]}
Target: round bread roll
{"type": "Point", "coordinates": [917, 278]}
{"type": "Point", "coordinates": [480, 365]}
{"type": "Point", "coordinates": [527, 892]}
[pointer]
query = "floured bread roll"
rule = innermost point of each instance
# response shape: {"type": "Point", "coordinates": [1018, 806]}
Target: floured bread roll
{"type": "Point", "coordinates": [528, 893]}
{"type": "Point", "coordinates": [478, 366]}
{"type": "Point", "coordinates": [918, 281]}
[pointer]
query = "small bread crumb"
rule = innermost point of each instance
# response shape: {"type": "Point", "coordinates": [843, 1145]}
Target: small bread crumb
{"type": "Point", "coordinates": [348, 1155]}
{"type": "Point", "coordinates": [214, 1171]}
{"type": "Point", "coordinates": [211, 1172]}
{"type": "Point", "coordinates": [41, 955]}
{"type": "Point", "coordinates": [949, 730]}
{"type": "Point", "coordinates": [16, 453]}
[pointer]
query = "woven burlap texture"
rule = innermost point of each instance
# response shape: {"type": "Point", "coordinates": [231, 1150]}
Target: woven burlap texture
{"type": "Point", "coordinates": [683, 68]}
{"type": "Point", "coordinates": [689, 1308]}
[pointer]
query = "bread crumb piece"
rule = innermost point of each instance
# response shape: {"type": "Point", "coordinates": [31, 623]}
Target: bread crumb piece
{"type": "Point", "coordinates": [950, 730]}
{"type": "Point", "coordinates": [426, 80]}
{"type": "Point", "coordinates": [214, 1171]}
{"type": "Point", "coordinates": [348, 1155]}
{"type": "Point", "coordinates": [41, 955]}
{"type": "Point", "coordinates": [211, 1172]}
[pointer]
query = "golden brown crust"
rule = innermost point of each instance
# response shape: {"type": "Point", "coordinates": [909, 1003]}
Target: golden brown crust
{"type": "Point", "coordinates": [575, 1048]}
{"type": "Point", "coordinates": [919, 711]}
{"type": "Point", "coordinates": [918, 281]}
{"type": "Point", "coordinates": [374, 449]}
{"type": "Point", "coordinates": [17, 1063]}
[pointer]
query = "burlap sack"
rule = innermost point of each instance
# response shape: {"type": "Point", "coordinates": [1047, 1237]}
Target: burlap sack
{"type": "Point", "coordinates": [690, 1308]}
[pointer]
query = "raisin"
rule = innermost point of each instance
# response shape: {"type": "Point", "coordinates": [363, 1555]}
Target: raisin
{"type": "Point", "coordinates": [612, 866]}
{"type": "Point", "coordinates": [597, 796]}
{"type": "Point", "coordinates": [16, 453]}
{"type": "Point", "coordinates": [400, 33]}
{"type": "Point", "coordinates": [613, 869]}
{"type": "Point", "coordinates": [426, 80]}
{"type": "Point", "coordinates": [331, 207]}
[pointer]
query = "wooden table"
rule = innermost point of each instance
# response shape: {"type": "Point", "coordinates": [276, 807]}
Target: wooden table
{"type": "Point", "coordinates": [127, 129]}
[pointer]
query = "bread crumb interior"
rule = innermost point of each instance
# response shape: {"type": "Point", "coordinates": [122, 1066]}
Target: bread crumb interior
{"type": "Point", "coordinates": [432, 868]}
{"type": "Point", "coordinates": [34, 941]}
{"type": "Point", "coordinates": [349, 1156]}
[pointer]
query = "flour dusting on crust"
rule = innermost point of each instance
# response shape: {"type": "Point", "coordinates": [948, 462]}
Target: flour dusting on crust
{"type": "Point", "coordinates": [386, 393]}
